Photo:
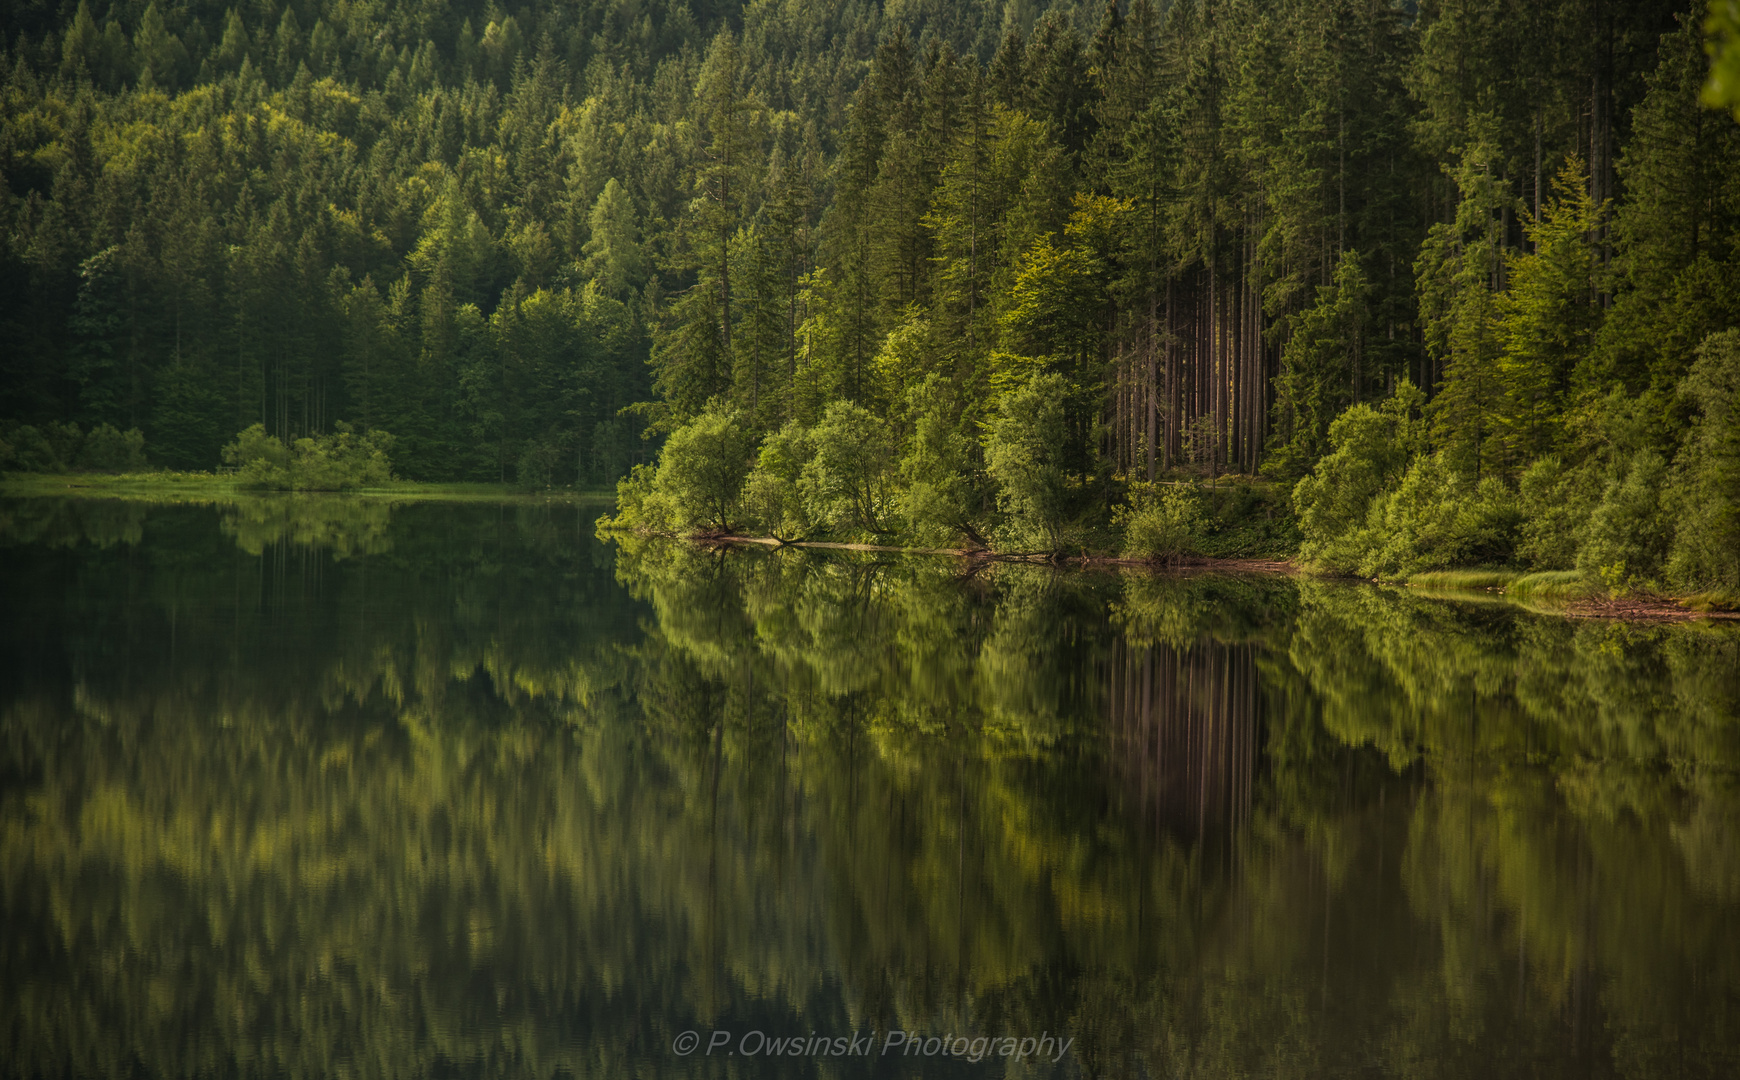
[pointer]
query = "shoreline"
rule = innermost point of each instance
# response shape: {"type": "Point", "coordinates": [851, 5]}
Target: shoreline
{"type": "Point", "coordinates": [983, 555]}
{"type": "Point", "coordinates": [1642, 608]}
{"type": "Point", "coordinates": [211, 487]}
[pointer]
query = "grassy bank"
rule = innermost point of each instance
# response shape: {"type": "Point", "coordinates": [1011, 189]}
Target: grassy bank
{"type": "Point", "coordinates": [1541, 585]}
{"type": "Point", "coordinates": [1571, 592]}
{"type": "Point", "coordinates": [218, 487]}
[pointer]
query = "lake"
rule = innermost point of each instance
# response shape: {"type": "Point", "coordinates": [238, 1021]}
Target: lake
{"type": "Point", "coordinates": [322, 787]}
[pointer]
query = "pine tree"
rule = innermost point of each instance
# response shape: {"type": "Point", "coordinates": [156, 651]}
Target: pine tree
{"type": "Point", "coordinates": [1548, 317]}
{"type": "Point", "coordinates": [1459, 272]}
{"type": "Point", "coordinates": [613, 254]}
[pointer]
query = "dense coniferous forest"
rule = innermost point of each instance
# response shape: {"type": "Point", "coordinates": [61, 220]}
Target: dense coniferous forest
{"type": "Point", "coordinates": [1461, 276]}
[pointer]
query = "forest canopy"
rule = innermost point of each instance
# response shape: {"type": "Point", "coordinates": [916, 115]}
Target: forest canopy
{"type": "Point", "coordinates": [1464, 271]}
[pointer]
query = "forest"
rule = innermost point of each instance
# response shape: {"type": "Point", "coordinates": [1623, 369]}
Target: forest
{"type": "Point", "coordinates": [1445, 284]}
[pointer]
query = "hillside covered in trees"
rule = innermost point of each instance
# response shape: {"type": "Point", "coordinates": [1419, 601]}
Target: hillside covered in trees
{"type": "Point", "coordinates": [1465, 272]}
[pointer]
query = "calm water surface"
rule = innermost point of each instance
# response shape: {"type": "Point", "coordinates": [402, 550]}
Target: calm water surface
{"type": "Point", "coordinates": [317, 788]}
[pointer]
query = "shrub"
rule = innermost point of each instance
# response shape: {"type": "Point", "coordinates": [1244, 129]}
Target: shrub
{"type": "Point", "coordinates": [64, 441]}
{"type": "Point", "coordinates": [772, 496]}
{"type": "Point", "coordinates": [341, 461]}
{"type": "Point", "coordinates": [260, 460]}
{"type": "Point", "coordinates": [849, 479]}
{"type": "Point", "coordinates": [55, 448]}
{"type": "Point", "coordinates": [1705, 495]}
{"type": "Point", "coordinates": [701, 471]}
{"type": "Point", "coordinates": [1554, 503]}
{"type": "Point", "coordinates": [1243, 520]}
{"type": "Point", "coordinates": [27, 450]}
{"type": "Point", "coordinates": [1023, 453]}
{"type": "Point", "coordinates": [1163, 525]}
{"type": "Point", "coordinates": [1626, 541]}
{"type": "Point", "coordinates": [107, 449]}
{"type": "Point", "coordinates": [1369, 453]}
{"type": "Point", "coordinates": [640, 506]}
{"type": "Point", "coordinates": [1436, 519]}
{"type": "Point", "coordinates": [537, 464]}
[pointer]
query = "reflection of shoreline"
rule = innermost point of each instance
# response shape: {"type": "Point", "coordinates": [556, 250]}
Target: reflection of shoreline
{"type": "Point", "coordinates": [472, 798]}
{"type": "Point", "coordinates": [980, 556]}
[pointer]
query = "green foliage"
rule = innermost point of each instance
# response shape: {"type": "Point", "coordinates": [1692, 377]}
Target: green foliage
{"type": "Point", "coordinates": [701, 472]}
{"type": "Point", "coordinates": [1320, 368]}
{"type": "Point", "coordinates": [1437, 518]}
{"type": "Point", "coordinates": [1626, 542]}
{"type": "Point", "coordinates": [1378, 507]}
{"type": "Point", "coordinates": [537, 464]}
{"type": "Point", "coordinates": [1674, 270]}
{"type": "Point", "coordinates": [1458, 271]}
{"type": "Point", "coordinates": [613, 253]}
{"type": "Point", "coordinates": [108, 450]}
{"type": "Point", "coordinates": [848, 481]}
{"type": "Point", "coordinates": [1025, 446]}
{"type": "Point", "coordinates": [1370, 452]}
{"type": "Point", "coordinates": [773, 495]}
{"type": "Point", "coordinates": [343, 461]}
{"type": "Point", "coordinates": [1161, 524]}
{"type": "Point", "coordinates": [26, 449]}
{"type": "Point", "coordinates": [1722, 25]}
{"type": "Point", "coordinates": [1555, 503]}
{"type": "Point", "coordinates": [56, 448]}
{"type": "Point", "coordinates": [640, 506]}
{"type": "Point", "coordinates": [533, 245]}
{"type": "Point", "coordinates": [944, 497]}
{"type": "Point", "coordinates": [1704, 500]}
{"type": "Point", "coordinates": [1248, 520]}
{"type": "Point", "coordinates": [1548, 317]}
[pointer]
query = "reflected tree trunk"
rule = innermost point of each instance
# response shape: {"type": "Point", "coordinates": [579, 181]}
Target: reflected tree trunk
{"type": "Point", "coordinates": [1184, 733]}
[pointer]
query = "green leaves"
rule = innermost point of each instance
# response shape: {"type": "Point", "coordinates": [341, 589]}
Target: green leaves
{"type": "Point", "coordinates": [1320, 367]}
{"type": "Point", "coordinates": [1722, 27]}
{"type": "Point", "coordinates": [342, 461]}
{"type": "Point", "coordinates": [1025, 448]}
{"type": "Point", "coordinates": [1548, 317]}
{"type": "Point", "coordinates": [1705, 501]}
{"type": "Point", "coordinates": [1160, 524]}
{"type": "Point", "coordinates": [849, 479]}
{"type": "Point", "coordinates": [1371, 450]}
{"type": "Point", "coordinates": [702, 469]}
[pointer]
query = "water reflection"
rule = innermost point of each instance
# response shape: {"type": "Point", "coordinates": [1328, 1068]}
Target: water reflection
{"type": "Point", "coordinates": [295, 788]}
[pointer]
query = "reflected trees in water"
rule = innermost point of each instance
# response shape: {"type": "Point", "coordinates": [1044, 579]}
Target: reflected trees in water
{"type": "Point", "coordinates": [469, 792]}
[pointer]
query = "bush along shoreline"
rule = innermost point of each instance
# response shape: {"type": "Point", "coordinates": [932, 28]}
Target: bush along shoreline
{"type": "Point", "coordinates": [60, 458]}
{"type": "Point", "coordinates": [926, 485]}
{"type": "Point", "coordinates": [1611, 517]}
{"type": "Point", "coordinates": [345, 460]}
{"type": "Point", "coordinates": [1609, 525]}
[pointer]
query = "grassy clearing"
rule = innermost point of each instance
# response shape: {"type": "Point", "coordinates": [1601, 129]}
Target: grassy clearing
{"type": "Point", "coordinates": [217, 487]}
{"type": "Point", "coordinates": [1464, 579]}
